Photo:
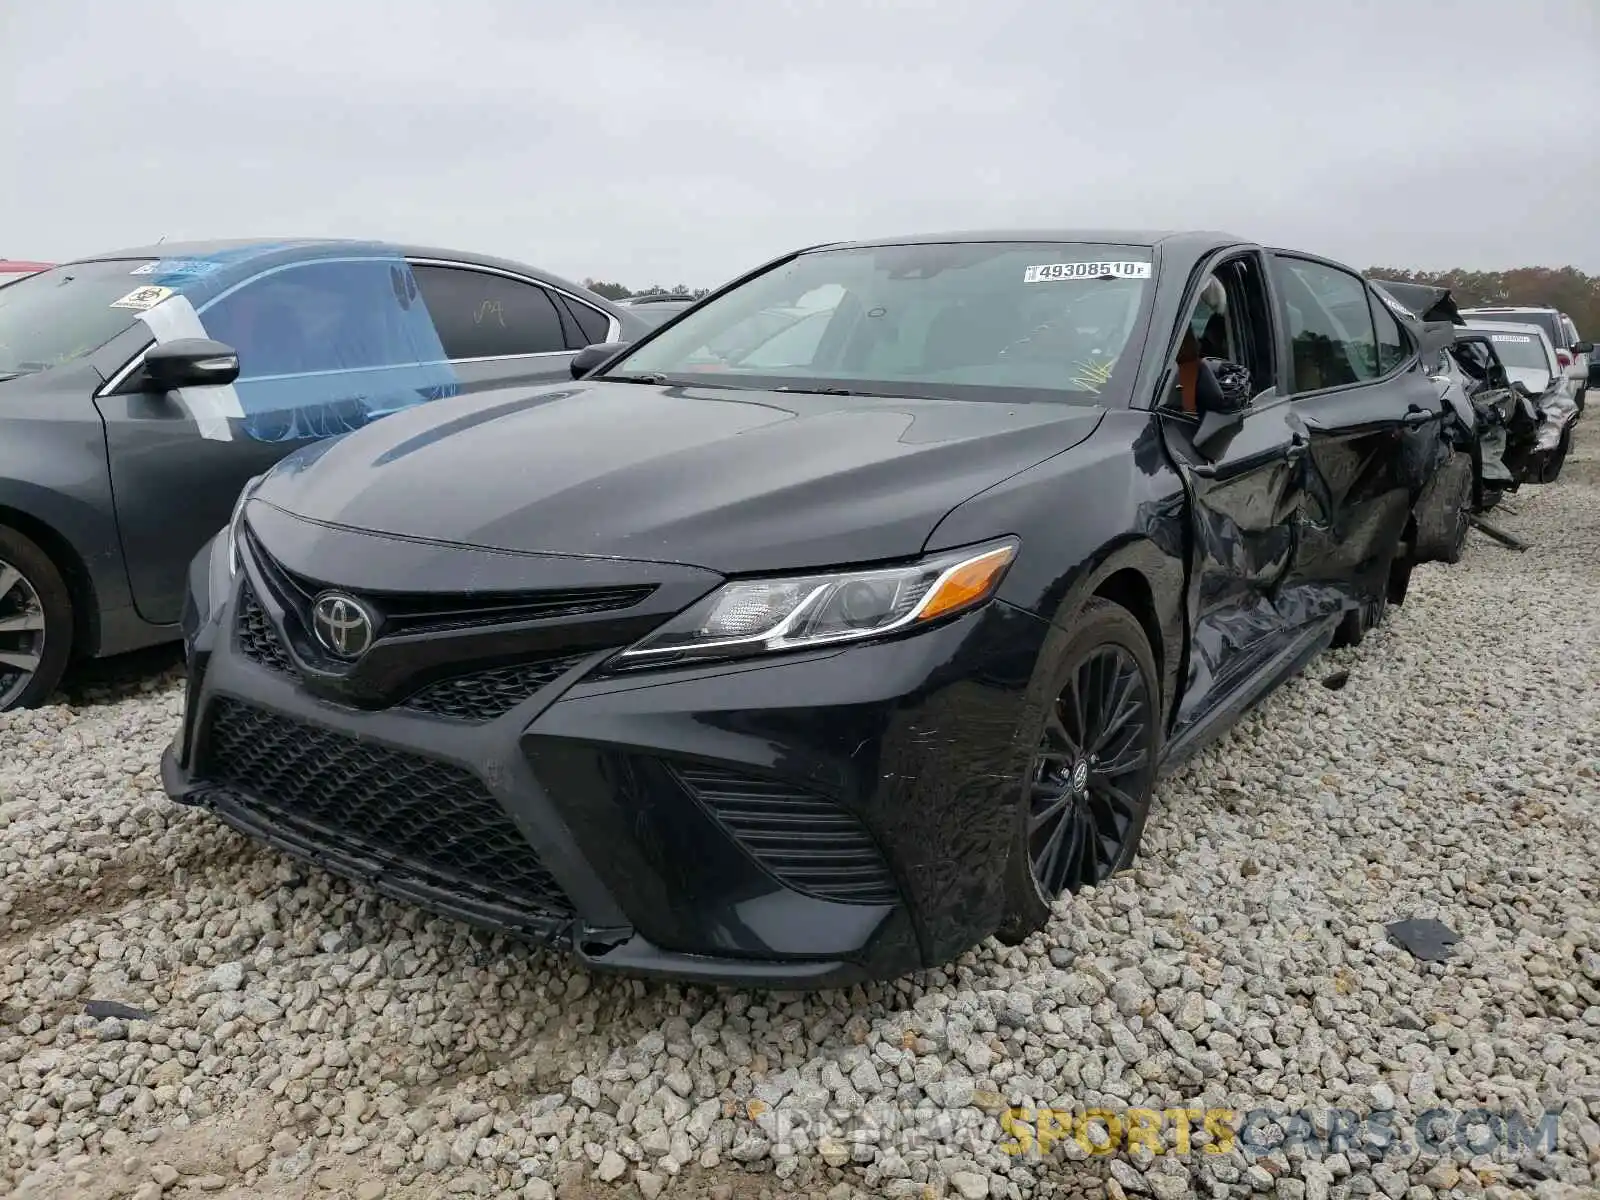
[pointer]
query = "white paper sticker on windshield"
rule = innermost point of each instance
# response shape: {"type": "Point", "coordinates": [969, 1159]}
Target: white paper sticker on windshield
{"type": "Point", "coordinates": [1049, 272]}
{"type": "Point", "coordinates": [142, 298]}
{"type": "Point", "coordinates": [1509, 337]}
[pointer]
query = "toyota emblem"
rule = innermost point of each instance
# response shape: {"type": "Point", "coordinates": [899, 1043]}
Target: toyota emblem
{"type": "Point", "coordinates": [342, 624]}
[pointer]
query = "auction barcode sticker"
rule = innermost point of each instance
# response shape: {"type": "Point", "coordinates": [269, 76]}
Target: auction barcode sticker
{"type": "Point", "coordinates": [1047, 272]}
{"type": "Point", "coordinates": [1509, 337]}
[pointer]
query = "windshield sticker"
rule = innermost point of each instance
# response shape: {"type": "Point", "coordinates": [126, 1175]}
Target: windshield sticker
{"type": "Point", "coordinates": [143, 298]}
{"type": "Point", "coordinates": [1509, 337]}
{"type": "Point", "coordinates": [1048, 272]}
{"type": "Point", "coordinates": [181, 268]}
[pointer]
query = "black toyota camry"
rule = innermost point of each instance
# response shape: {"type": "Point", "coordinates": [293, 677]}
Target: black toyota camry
{"type": "Point", "coordinates": [834, 627]}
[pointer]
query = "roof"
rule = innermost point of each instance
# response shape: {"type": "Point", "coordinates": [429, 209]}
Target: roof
{"type": "Point", "coordinates": [1514, 308]}
{"type": "Point", "coordinates": [1193, 238]}
{"type": "Point", "coordinates": [237, 251]}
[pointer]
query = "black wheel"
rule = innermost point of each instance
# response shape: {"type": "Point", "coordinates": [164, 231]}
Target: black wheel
{"type": "Point", "coordinates": [35, 623]}
{"type": "Point", "coordinates": [1550, 468]}
{"type": "Point", "coordinates": [1443, 512]}
{"type": "Point", "coordinates": [1086, 792]}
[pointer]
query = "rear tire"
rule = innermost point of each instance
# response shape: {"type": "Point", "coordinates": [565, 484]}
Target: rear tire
{"type": "Point", "coordinates": [1550, 469]}
{"type": "Point", "coordinates": [36, 623]}
{"type": "Point", "coordinates": [1085, 794]}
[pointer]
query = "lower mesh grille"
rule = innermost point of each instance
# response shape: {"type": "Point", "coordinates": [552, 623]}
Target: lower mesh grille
{"type": "Point", "coordinates": [257, 640]}
{"type": "Point", "coordinates": [485, 695]}
{"type": "Point", "coordinates": [806, 840]}
{"type": "Point", "coordinates": [435, 816]}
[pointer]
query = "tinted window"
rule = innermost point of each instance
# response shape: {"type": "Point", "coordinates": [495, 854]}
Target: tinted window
{"type": "Point", "coordinates": [594, 323]}
{"type": "Point", "coordinates": [480, 315]}
{"type": "Point", "coordinates": [324, 316]}
{"type": "Point", "coordinates": [1330, 325]}
{"type": "Point", "coordinates": [979, 320]}
{"type": "Point", "coordinates": [64, 314]}
{"type": "Point", "coordinates": [1393, 346]}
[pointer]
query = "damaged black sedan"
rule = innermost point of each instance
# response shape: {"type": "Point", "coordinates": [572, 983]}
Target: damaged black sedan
{"type": "Point", "coordinates": [821, 654]}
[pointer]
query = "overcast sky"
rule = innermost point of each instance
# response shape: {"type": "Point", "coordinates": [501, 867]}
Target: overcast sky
{"type": "Point", "coordinates": [686, 140]}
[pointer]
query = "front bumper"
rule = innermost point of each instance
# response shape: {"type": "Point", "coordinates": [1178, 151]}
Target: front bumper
{"type": "Point", "coordinates": [807, 821]}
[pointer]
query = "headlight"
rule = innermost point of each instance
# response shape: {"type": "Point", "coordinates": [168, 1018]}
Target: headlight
{"type": "Point", "coordinates": [234, 521]}
{"type": "Point", "coordinates": [759, 616]}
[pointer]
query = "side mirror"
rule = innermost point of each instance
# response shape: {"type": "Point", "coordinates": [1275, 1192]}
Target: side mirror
{"type": "Point", "coordinates": [1222, 394]}
{"type": "Point", "coordinates": [1583, 347]}
{"type": "Point", "coordinates": [189, 362]}
{"type": "Point", "coordinates": [590, 357]}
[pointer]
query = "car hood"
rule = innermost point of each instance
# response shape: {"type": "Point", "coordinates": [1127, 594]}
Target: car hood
{"type": "Point", "coordinates": [1535, 380]}
{"type": "Point", "coordinates": [729, 479]}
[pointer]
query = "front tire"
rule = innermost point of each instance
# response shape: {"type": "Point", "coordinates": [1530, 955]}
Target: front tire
{"type": "Point", "coordinates": [1085, 795]}
{"type": "Point", "coordinates": [35, 623]}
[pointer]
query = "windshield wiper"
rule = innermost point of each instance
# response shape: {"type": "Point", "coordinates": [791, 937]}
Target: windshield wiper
{"type": "Point", "coordinates": [839, 391]}
{"type": "Point", "coordinates": [651, 377]}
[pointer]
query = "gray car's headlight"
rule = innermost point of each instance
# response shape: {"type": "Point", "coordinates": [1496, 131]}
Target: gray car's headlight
{"type": "Point", "coordinates": [760, 616]}
{"type": "Point", "coordinates": [234, 521]}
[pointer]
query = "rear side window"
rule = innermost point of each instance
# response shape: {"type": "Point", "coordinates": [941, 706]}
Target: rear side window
{"type": "Point", "coordinates": [594, 323]}
{"type": "Point", "coordinates": [1393, 346]}
{"type": "Point", "coordinates": [480, 315]}
{"type": "Point", "coordinates": [1330, 324]}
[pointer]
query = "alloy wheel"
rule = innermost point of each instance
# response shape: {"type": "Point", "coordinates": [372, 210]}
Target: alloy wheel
{"type": "Point", "coordinates": [21, 633]}
{"type": "Point", "coordinates": [1090, 774]}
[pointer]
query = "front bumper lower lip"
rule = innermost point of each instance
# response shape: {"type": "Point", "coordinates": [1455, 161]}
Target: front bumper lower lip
{"type": "Point", "coordinates": [620, 951]}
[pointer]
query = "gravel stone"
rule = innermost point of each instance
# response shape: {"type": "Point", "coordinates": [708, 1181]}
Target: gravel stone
{"type": "Point", "coordinates": [259, 1027]}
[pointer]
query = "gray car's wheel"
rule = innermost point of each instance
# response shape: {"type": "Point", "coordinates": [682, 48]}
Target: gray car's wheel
{"type": "Point", "coordinates": [35, 622]}
{"type": "Point", "coordinates": [1086, 793]}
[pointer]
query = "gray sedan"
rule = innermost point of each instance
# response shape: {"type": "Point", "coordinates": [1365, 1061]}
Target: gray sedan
{"type": "Point", "coordinates": [140, 390]}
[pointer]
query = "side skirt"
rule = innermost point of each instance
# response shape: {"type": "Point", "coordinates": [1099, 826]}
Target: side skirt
{"type": "Point", "coordinates": [1249, 692]}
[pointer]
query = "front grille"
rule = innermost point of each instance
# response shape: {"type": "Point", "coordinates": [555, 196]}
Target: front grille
{"type": "Point", "coordinates": [437, 818]}
{"type": "Point", "coordinates": [438, 612]}
{"type": "Point", "coordinates": [485, 695]}
{"type": "Point", "coordinates": [807, 841]}
{"type": "Point", "coordinates": [257, 640]}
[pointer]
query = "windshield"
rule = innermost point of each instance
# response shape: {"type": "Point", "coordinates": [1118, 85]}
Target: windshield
{"type": "Point", "coordinates": [970, 320]}
{"type": "Point", "coordinates": [63, 314]}
{"type": "Point", "coordinates": [1519, 350]}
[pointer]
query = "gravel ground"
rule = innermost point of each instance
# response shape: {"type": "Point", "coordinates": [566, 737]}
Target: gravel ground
{"type": "Point", "coordinates": [287, 1035]}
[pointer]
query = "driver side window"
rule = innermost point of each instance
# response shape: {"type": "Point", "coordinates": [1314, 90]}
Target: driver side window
{"type": "Point", "coordinates": [1229, 321]}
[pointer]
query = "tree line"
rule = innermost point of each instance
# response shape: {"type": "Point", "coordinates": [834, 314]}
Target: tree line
{"type": "Point", "coordinates": [1565, 288]}
{"type": "Point", "coordinates": [616, 291]}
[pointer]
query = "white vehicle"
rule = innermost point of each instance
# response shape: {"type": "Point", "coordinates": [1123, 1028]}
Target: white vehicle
{"type": "Point", "coordinates": [1572, 353]}
{"type": "Point", "coordinates": [1535, 369]}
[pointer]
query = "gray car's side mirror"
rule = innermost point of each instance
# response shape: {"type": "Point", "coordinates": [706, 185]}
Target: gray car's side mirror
{"type": "Point", "coordinates": [189, 362]}
{"type": "Point", "coordinates": [1583, 348]}
{"type": "Point", "coordinates": [590, 357]}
